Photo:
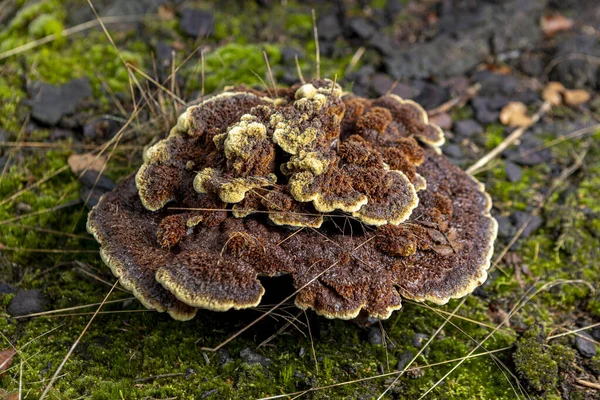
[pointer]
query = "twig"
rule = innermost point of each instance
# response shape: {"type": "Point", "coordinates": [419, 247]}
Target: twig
{"type": "Point", "coordinates": [454, 102]}
{"type": "Point", "coordinates": [587, 384]}
{"type": "Point", "coordinates": [317, 50]}
{"type": "Point", "coordinates": [355, 59]}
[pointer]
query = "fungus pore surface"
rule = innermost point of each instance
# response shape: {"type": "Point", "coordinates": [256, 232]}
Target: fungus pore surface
{"type": "Point", "coordinates": [350, 196]}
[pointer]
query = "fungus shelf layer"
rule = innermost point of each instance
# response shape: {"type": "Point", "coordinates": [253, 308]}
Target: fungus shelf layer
{"type": "Point", "coordinates": [349, 196]}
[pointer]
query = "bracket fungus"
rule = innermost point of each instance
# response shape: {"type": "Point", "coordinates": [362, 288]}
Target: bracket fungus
{"type": "Point", "coordinates": [349, 196]}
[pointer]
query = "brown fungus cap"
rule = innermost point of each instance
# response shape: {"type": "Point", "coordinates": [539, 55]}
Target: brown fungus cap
{"type": "Point", "coordinates": [349, 196]}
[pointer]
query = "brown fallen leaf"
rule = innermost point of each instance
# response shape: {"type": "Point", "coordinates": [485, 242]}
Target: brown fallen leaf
{"type": "Point", "coordinates": [11, 396]}
{"type": "Point", "coordinates": [515, 115]}
{"type": "Point", "coordinates": [6, 359]}
{"type": "Point", "coordinates": [552, 24]}
{"type": "Point", "coordinates": [79, 162]}
{"type": "Point", "coordinates": [498, 315]}
{"type": "Point", "coordinates": [576, 97]}
{"type": "Point", "coordinates": [553, 93]}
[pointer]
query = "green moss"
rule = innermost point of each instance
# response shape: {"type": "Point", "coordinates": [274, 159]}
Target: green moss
{"type": "Point", "coordinates": [494, 135]}
{"type": "Point", "coordinates": [236, 64]}
{"type": "Point", "coordinates": [464, 112]}
{"type": "Point", "coordinates": [533, 363]}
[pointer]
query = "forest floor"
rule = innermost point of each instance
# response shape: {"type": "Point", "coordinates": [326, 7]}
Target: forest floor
{"type": "Point", "coordinates": [531, 331]}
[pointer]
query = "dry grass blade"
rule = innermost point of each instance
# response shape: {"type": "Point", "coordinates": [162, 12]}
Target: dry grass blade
{"type": "Point", "coordinates": [588, 384]}
{"type": "Point", "coordinates": [579, 133]}
{"type": "Point", "coordinates": [317, 50]}
{"type": "Point", "coordinates": [40, 212]}
{"type": "Point", "coordinates": [270, 73]}
{"type": "Point", "coordinates": [513, 137]}
{"type": "Point", "coordinates": [34, 185]}
{"type": "Point", "coordinates": [520, 304]}
{"type": "Point", "coordinates": [573, 331]}
{"type": "Point", "coordinates": [64, 361]}
{"type": "Point", "coordinates": [67, 146]}
{"type": "Point", "coordinates": [557, 182]}
{"type": "Point", "coordinates": [424, 347]}
{"type": "Point", "coordinates": [437, 310]}
{"type": "Point", "coordinates": [370, 378]}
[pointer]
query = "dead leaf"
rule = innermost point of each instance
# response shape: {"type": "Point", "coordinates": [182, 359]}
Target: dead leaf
{"type": "Point", "coordinates": [576, 97]}
{"type": "Point", "coordinates": [166, 13]}
{"type": "Point", "coordinates": [498, 315]}
{"type": "Point", "coordinates": [79, 162]}
{"type": "Point", "coordinates": [11, 396]}
{"type": "Point", "coordinates": [6, 359]}
{"type": "Point", "coordinates": [515, 114]}
{"type": "Point", "coordinates": [553, 93]}
{"type": "Point", "coordinates": [552, 24]}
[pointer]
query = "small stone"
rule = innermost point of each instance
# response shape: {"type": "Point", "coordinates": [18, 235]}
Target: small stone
{"type": "Point", "coordinates": [329, 27]}
{"type": "Point", "coordinates": [361, 27]}
{"type": "Point", "coordinates": [419, 339]}
{"type": "Point", "coordinates": [431, 95]}
{"type": "Point", "coordinates": [250, 357]}
{"type": "Point", "coordinates": [453, 150]}
{"type": "Point", "coordinates": [483, 110]}
{"type": "Point", "coordinates": [208, 393]}
{"type": "Point", "coordinates": [288, 54]}
{"type": "Point", "coordinates": [585, 345]}
{"type": "Point", "coordinates": [26, 302]}
{"type": "Point", "coordinates": [520, 218]}
{"type": "Point", "coordinates": [514, 173]}
{"type": "Point", "coordinates": [595, 332]}
{"type": "Point", "coordinates": [404, 359]}
{"type": "Point", "coordinates": [468, 128]}
{"type": "Point", "coordinates": [196, 23]}
{"type": "Point", "coordinates": [506, 229]}
{"type": "Point", "coordinates": [5, 288]}
{"type": "Point", "coordinates": [90, 180]}
{"type": "Point", "coordinates": [443, 120]}
{"type": "Point", "coordinates": [224, 357]}
{"type": "Point", "coordinates": [375, 337]}
{"type": "Point", "coordinates": [382, 83]}
{"type": "Point", "coordinates": [189, 372]}
{"type": "Point", "coordinates": [61, 134]}
{"type": "Point", "coordinates": [23, 208]}
{"type": "Point", "coordinates": [49, 103]}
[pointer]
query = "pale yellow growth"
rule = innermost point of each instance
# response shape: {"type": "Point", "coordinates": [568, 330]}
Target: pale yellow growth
{"type": "Point", "coordinates": [206, 301]}
{"type": "Point", "coordinates": [232, 190]}
{"type": "Point", "coordinates": [202, 178]}
{"type": "Point", "coordinates": [302, 189]}
{"type": "Point", "coordinates": [420, 183]}
{"type": "Point", "coordinates": [296, 220]}
{"type": "Point", "coordinates": [308, 161]}
{"type": "Point", "coordinates": [289, 138]}
{"type": "Point", "coordinates": [400, 214]}
{"type": "Point", "coordinates": [238, 137]}
{"type": "Point", "coordinates": [347, 314]}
